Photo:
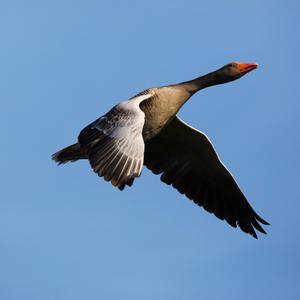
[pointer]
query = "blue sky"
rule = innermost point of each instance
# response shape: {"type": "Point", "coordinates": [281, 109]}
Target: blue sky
{"type": "Point", "coordinates": [65, 233]}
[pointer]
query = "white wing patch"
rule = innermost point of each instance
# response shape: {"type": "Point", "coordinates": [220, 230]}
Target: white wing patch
{"type": "Point", "coordinates": [114, 142]}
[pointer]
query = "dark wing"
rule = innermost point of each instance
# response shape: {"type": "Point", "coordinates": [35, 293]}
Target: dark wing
{"type": "Point", "coordinates": [114, 143]}
{"type": "Point", "coordinates": [188, 162]}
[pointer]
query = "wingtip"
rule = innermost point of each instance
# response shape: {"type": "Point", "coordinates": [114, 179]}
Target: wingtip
{"type": "Point", "coordinates": [261, 220]}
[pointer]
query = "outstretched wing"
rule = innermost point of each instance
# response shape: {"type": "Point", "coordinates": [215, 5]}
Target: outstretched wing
{"type": "Point", "coordinates": [114, 143]}
{"type": "Point", "coordinates": [188, 162]}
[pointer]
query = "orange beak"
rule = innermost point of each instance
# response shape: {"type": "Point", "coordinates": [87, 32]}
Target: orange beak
{"type": "Point", "coordinates": [245, 68]}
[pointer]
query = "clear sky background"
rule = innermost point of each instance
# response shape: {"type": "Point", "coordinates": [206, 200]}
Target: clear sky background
{"type": "Point", "coordinates": [67, 234]}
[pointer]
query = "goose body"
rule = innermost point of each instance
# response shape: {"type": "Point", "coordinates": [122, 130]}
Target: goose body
{"type": "Point", "coordinates": [145, 130]}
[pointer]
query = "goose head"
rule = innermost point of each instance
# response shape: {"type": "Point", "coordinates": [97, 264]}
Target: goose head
{"type": "Point", "coordinates": [234, 70]}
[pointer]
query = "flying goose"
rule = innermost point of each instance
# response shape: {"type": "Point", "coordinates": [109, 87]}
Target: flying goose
{"type": "Point", "coordinates": [145, 130]}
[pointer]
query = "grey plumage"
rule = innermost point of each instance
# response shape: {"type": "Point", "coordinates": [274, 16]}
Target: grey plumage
{"type": "Point", "coordinates": [146, 131]}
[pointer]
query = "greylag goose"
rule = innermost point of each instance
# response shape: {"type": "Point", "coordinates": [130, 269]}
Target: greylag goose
{"type": "Point", "coordinates": [145, 130]}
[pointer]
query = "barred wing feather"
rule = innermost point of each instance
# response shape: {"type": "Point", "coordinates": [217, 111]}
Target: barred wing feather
{"type": "Point", "coordinates": [114, 143]}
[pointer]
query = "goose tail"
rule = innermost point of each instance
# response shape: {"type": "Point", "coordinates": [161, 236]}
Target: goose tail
{"type": "Point", "coordinates": [69, 154]}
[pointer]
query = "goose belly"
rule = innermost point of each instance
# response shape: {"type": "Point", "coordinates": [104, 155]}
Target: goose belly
{"type": "Point", "coordinates": [157, 116]}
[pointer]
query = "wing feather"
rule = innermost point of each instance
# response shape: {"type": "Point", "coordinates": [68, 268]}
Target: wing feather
{"type": "Point", "coordinates": [186, 159]}
{"type": "Point", "coordinates": [114, 142]}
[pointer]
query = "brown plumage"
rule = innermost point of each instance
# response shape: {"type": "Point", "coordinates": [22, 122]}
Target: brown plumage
{"type": "Point", "coordinates": [146, 131]}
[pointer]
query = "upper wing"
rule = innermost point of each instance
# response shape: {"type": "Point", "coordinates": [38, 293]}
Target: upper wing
{"type": "Point", "coordinates": [188, 161]}
{"type": "Point", "coordinates": [114, 143]}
